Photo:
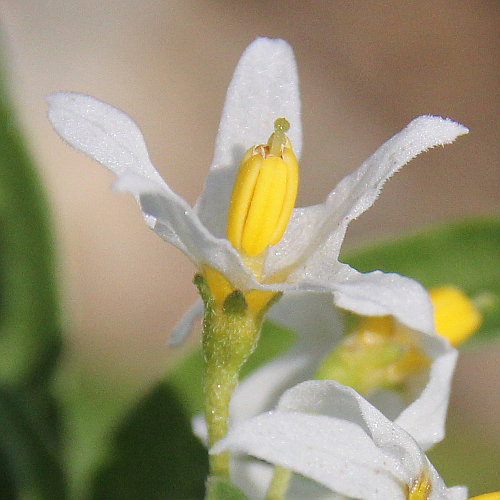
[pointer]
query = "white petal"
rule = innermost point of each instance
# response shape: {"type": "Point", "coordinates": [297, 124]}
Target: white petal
{"type": "Point", "coordinates": [373, 294]}
{"type": "Point", "coordinates": [439, 490]}
{"type": "Point", "coordinates": [456, 493]}
{"type": "Point", "coordinates": [184, 327]}
{"type": "Point", "coordinates": [176, 222]}
{"type": "Point", "coordinates": [334, 452]}
{"type": "Point", "coordinates": [425, 418]}
{"type": "Point", "coordinates": [103, 132]}
{"type": "Point", "coordinates": [358, 191]}
{"type": "Point", "coordinates": [313, 317]}
{"type": "Point", "coordinates": [200, 430]}
{"type": "Point", "coordinates": [264, 87]}
{"type": "Point", "coordinates": [328, 397]}
{"type": "Point", "coordinates": [301, 230]}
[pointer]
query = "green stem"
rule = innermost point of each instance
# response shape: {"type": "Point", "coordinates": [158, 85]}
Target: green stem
{"type": "Point", "coordinates": [230, 335]}
{"type": "Point", "coordinates": [219, 384]}
{"type": "Point", "coordinates": [279, 484]}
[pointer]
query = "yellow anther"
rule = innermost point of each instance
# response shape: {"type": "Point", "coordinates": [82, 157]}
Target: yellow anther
{"type": "Point", "coordinates": [455, 315]}
{"type": "Point", "coordinates": [383, 325]}
{"type": "Point", "coordinates": [421, 488]}
{"type": "Point", "coordinates": [264, 194]}
{"type": "Point", "coordinates": [488, 496]}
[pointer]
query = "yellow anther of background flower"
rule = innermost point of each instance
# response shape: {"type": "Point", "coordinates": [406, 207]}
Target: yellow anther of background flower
{"type": "Point", "coordinates": [381, 353]}
{"type": "Point", "coordinates": [264, 194]}
{"type": "Point", "coordinates": [455, 315]}
{"type": "Point", "coordinates": [488, 496]}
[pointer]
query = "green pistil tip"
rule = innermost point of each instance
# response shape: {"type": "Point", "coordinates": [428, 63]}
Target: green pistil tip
{"type": "Point", "coordinates": [281, 125]}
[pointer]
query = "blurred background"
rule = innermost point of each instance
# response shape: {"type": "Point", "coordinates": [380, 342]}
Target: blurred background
{"type": "Point", "coordinates": [366, 69]}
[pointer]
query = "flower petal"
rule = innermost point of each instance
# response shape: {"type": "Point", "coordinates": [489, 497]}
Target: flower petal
{"type": "Point", "coordinates": [373, 294]}
{"type": "Point", "coordinates": [253, 477]}
{"type": "Point", "coordinates": [356, 193]}
{"type": "Point", "coordinates": [101, 131]}
{"type": "Point", "coordinates": [425, 418]}
{"type": "Point", "coordinates": [336, 453]}
{"type": "Point", "coordinates": [264, 87]}
{"type": "Point", "coordinates": [184, 327]}
{"type": "Point", "coordinates": [176, 222]}
{"type": "Point", "coordinates": [318, 325]}
{"type": "Point", "coordinates": [328, 397]}
{"type": "Point", "coordinates": [328, 432]}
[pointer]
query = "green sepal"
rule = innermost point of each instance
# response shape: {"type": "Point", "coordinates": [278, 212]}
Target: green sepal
{"type": "Point", "coordinates": [203, 289]}
{"type": "Point", "coordinates": [235, 303]}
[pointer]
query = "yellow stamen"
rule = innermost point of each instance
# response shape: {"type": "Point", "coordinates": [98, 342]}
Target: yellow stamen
{"type": "Point", "coordinates": [421, 488]}
{"type": "Point", "coordinates": [264, 194]}
{"type": "Point", "coordinates": [455, 315]}
{"type": "Point", "coordinates": [383, 325]}
{"type": "Point", "coordinates": [265, 207]}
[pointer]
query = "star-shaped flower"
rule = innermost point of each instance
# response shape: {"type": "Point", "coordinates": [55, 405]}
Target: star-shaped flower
{"type": "Point", "coordinates": [305, 259]}
{"type": "Point", "coordinates": [327, 432]}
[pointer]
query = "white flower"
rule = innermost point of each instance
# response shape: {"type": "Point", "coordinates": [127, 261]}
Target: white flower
{"type": "Point", "coordinates": [422, 414]}
{"type": "Point", "coordinates": [264, 87]}
{"type": "Point", "coordinates": [327, 432]}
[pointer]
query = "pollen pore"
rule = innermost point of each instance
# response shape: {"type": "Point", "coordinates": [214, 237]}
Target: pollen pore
{"type": "Point", "coordinates": [264, 194]}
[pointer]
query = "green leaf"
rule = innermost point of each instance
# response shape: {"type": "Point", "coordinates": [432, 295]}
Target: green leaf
{"type": "Point", "coordinates": [154, 454]}
{"type": "Point", "coordinates": [220, 489]}
{"type": "Point", "coordinates": [30, 446]}
{"type": "Point", "coordinates": [29, 318]}
{"type": "Point", "coordinates": [7, 485]}
{"type": "Point", "coordinates": [465, 254]}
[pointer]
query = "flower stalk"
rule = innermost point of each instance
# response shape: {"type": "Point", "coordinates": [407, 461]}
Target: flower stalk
{"type": "Point", "coordinates": [231, 332]}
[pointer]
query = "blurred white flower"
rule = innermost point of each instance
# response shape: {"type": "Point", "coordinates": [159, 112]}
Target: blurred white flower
{"type": "Point", "coordinates": [421, 412]}
{"type": "Point", "coordinates": [327, 432]}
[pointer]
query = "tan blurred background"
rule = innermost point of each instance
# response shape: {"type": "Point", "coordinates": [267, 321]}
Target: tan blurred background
{"type": "Point", "coordinates": [366, 68]}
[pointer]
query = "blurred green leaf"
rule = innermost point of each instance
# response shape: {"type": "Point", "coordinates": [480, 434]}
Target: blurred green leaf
{"type": "Point", "coordinates": [29, 319]}
{"type": "Point", "coordinates": [30, 341]}
{"type": "Point", "coordinates": [30, 445]}
{"type": "Point", "coordinates": [465, 254]}
{"type": "Point", "coordinates": [465, 457]}
{"type": "Point", "coordinates": [154, 454]}
{"type": "Point", "coordinates": [153, 450]}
